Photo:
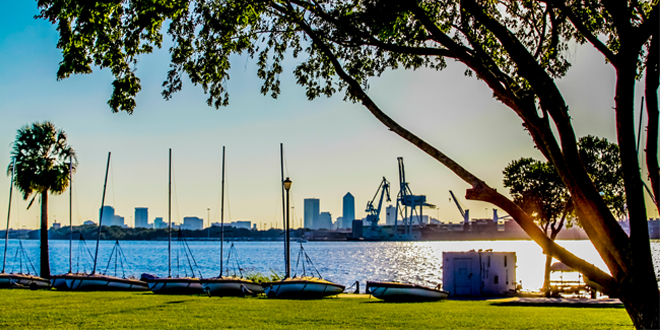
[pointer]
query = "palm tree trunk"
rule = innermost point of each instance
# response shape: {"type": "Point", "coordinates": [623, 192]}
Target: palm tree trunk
{"type": "Point", "coordinates": [44, 263]}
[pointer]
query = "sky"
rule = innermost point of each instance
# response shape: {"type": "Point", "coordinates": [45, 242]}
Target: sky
{"type": "Point", "coordinates": [331, 147]}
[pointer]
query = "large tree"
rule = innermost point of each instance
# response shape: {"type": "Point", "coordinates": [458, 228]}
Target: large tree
{"type": "Point", "coordinates": [535, 186]}
{"type": "Point", "coordinates": [42, 166]}
{"type": "Point", "coordinates": [517, 48]}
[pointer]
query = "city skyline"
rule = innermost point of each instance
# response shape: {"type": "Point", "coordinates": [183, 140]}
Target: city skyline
{"type": "Point", "coordinates": [331, 146]}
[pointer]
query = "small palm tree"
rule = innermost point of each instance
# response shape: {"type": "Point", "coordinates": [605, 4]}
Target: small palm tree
{"type": "Point", "coordinates": [42, 165]}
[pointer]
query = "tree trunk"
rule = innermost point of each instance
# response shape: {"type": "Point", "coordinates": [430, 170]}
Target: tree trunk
{"type": "Point", "coordinates": [546, 275]}
{"type": "Point", "coordinates": [44, 269]}
{"type": "Point", "coordinates": [651, 92]}
{"type": "Point", "coordinates": [642, 307]}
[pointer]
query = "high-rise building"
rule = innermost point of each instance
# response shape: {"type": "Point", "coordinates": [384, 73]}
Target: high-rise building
{"type": "Point", "coordinates": [118, 221]}
{"type": "Point", "coordinates": [108, 215]}
{"type": "Point", "coordinates": [348, 214]}
{"type": "Point", "coordinates": [159, 223]}
{"type": "Point", "coordinates": [325, 221]}
{"type": "Point", "coordinates": [192, 223]}
{"type": "Point", "coordinates": [312, 209]}
{"type": "Point", "coordinates": [390, 214]}
{"type": "Point", "coordinates": [142, 217]}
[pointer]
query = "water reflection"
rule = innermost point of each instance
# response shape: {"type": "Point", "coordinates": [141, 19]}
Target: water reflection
{"type": "Point", "coordinates": [342, 262]}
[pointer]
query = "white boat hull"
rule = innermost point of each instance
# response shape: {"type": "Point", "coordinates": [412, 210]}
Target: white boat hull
{"type": "Point", "coordinates": [12, 280]}
{"type": "Point", "coordinates": [230, 286]}
{"type": "Point", "coordinates": [404, 292]}
{"type": "Point", "coordinates": [296, 288]}
{"type": "Point", "coordinates": [78, 282]}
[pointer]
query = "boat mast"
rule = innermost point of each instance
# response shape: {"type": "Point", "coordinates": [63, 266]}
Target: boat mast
{"type": "Point", "coordinates": [287, 262]}
{"type": "Point", "coordinates": [11, 188]}
{"type": "Point", "coordinates": [70, 217]}
{"type": "Point", "coordinates": [169, 218]}
{"type": "Point", "coordinates": [222, 209]}
{"type": "Point", "coordinates": [98, 235]}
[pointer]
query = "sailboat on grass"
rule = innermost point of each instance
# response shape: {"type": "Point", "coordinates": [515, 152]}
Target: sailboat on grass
{"type": "Point", "coordinates": [98, 281]}
{"type": "Point", "coordinates": [302, 287]}
{"type": "Point", "coordinates": [228, 285]}
{"type": "Point", "coordinates": [20, 279]}
{"type": "Point", "coordinates": [169, 284]}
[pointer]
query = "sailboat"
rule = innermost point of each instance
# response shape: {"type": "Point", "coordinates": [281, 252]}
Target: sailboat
{"type": "Point", "coordinates": [11, 280]}
{"type": "Point", "coordinates": [395, 291]}
{"type": "Point", "coordinates": [59, 281]}
{"type": "Point", "coordinates": [228, 285]}
{"type": "Point", "coordinates": [169, 284]}
{"type": "Point", "coordinates": [100, 282]}
{"type": "Point", "coordinates": [302, 287]}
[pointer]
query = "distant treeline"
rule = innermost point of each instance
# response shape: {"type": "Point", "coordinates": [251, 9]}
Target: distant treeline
{"type": "Point", "coordinates": [89, 232]}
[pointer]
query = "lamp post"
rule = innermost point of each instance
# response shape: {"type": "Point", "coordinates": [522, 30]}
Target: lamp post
{"type": "Point", "coordinates": [287, 186]}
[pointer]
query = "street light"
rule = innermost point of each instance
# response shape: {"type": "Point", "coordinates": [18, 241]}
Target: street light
{"type": "Point", "coordinates": [287, 186]}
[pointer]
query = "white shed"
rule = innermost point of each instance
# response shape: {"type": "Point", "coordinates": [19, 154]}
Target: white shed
{"type": "Point", "coordinates": [478, 273]}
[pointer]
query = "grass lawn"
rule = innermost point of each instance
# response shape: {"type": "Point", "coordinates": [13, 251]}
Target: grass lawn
{"type": "Point", "coordinates": [26, 309]}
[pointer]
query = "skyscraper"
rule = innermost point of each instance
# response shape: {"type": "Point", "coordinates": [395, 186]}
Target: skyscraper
{"type": "Point", "coordinates": [325, 221]}
{"type": "Point", "coordinates": [312, 209]}
{"type": "Point", "coordinates": [348, 214]}
{"type": "Point", "coordinates": [142, 217]}
{"type": "Point", "coordinates": [159, 223]}
{"type": "Point", "coordinates": [108, 215]}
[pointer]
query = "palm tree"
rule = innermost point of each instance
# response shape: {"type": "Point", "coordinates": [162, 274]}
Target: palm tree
{"type": "Point", "coordinates": [42, 164]}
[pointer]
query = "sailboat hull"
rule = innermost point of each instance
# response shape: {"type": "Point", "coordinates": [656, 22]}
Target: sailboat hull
{"type": "Point", "coordinates": [95, 282]}
{"type": "Point", "coordinates": [18, 280]}
{"type": "Point", "coordinates": [174, 285]}
{"type": "Point", "coordinates": [230, 286]}
{"type": "Point", "coordinates": [302, 288]}
{"type": "Point", "coordinates": [390, 291]}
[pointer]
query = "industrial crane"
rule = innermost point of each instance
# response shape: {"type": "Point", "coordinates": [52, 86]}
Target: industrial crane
{"type": "Point", "coordinates": [406, 200]}
{"type": "Point", "coordinates": [374, 213]}
{"type": "Point", "coordinates": [465, 214]}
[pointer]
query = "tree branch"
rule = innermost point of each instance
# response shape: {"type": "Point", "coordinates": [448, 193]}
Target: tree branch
{"type": "Point", "coordinates": [577, 23]}
{"type": "Point", "coordinates": [479, 191]}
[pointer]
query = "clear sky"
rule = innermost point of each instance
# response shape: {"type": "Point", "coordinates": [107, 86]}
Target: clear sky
{"type": "Point", "coordinates": [331, 147]}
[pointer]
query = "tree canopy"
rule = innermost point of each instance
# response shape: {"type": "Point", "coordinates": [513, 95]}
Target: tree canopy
{"type": "Point", "coordinates": [517, 48]}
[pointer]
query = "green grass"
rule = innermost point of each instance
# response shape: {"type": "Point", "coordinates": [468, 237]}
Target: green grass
{"type": "Point", "coordinates": [25, 309]}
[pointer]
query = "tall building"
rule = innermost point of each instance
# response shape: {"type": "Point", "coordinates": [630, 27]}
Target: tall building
{"type": "Point", "coordinates": [159, 223]}
{"type": "Point", "coordinates": [348, 214]}
{"type": "Point", "coordinates": [312, 209]}
{"type": "Point", "coordinates": [108, 215]}
{"type": "Point", "coordinates": [192, 223]}
{"type": "Point", "coordinates": [390, 214]}
{"type": "Point", "coordinates": [118, 221]}
{"type": "Point", "coordinates": [325, 221]}
{"type": "Point", "coordinates": [142, 217]}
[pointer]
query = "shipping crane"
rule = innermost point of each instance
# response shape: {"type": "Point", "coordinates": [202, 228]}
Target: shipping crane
{"type": "Point", "coordinates": [465, 214]}
{"type": "Point", "coordinates": [405, 202]}
{"type": "Point", "coordinates": [374, 213]}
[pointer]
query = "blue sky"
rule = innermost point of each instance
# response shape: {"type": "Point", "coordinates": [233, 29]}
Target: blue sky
{"type": "Point", "coordinates": [331, 146]}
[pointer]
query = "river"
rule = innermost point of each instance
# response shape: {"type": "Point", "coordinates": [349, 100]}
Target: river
{"type": "Point", "coordinates": [341, 262]}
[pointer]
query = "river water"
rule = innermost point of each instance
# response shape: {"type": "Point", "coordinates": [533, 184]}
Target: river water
{"type": "Point", "coordinates": [341, 262]}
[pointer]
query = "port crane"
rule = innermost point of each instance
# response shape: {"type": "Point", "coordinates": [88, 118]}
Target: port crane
{"type": "Point", "coordinates": [372, 212]}
{"type": "Point", "coordinates": [465, 214]}
{"type": "Point", "coordinates": [405, 202]}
